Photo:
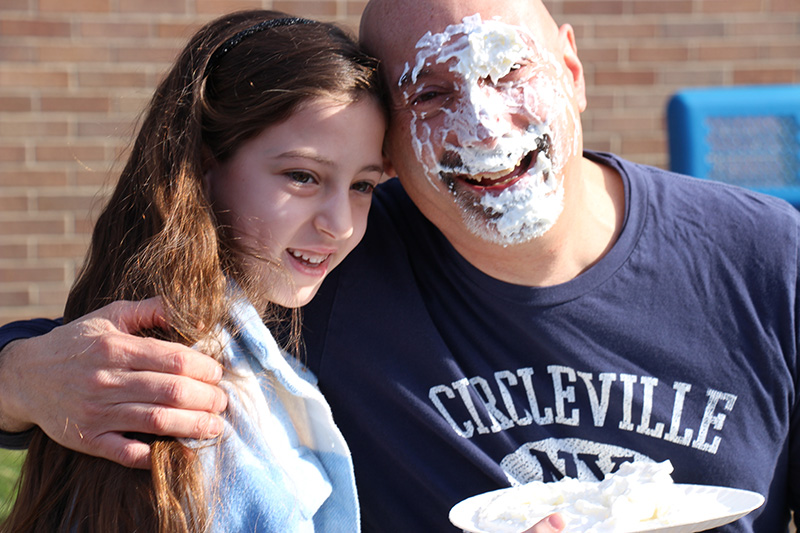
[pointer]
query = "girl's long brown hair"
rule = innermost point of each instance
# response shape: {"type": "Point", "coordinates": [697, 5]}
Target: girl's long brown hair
{"type": "Point", "coordinates": [158, 235]}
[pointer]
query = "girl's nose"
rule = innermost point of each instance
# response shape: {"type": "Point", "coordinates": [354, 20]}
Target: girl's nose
{"type": "Point", "coordinates": [335, 218]}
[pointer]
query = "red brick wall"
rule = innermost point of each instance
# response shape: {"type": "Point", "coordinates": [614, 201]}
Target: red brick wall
{"type": "Point", "coordinates": [75, 73]}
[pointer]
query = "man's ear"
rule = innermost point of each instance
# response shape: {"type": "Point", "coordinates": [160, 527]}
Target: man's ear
{"type": "Point", "coordinates": [566, 37]}
{"type": "Point", "coordinates": [388, 168]}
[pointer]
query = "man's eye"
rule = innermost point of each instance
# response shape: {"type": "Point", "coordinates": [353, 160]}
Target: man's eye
{"type": "Point", "coordinates": [425, 97]}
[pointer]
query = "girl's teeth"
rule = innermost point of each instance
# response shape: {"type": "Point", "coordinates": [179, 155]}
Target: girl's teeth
{"type": "Point", "coordinates": [306, 258]}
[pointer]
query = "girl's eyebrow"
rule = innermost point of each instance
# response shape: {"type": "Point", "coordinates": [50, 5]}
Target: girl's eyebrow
{"type": "Point", "coordinates": [303, 154]}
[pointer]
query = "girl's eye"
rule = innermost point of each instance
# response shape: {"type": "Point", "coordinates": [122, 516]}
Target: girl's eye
{"type": "Point", "coordinates": [300, 176]}
{"type": "Point", "coordinates": [363, 186]}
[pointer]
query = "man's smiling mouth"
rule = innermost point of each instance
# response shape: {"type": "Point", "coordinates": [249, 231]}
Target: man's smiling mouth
{"type": "Point", "coordinates": [487, 181]}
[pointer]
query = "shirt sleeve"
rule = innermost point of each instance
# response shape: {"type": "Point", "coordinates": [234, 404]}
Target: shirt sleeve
{"type": "Point", "coordinates": [15, 331]}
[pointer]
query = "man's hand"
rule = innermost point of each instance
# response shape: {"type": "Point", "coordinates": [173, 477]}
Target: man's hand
{"type": "Point", "coordinates": [88, 382]}
{"type": "Point", "coordinates": [551, 524]}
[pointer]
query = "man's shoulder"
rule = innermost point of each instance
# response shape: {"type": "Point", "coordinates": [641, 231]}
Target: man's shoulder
{"type": "Point", "coordinates": [699, 197]}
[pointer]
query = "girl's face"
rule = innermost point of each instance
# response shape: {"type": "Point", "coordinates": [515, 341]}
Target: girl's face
{"type": "Point", "coordinates": [298, 194]}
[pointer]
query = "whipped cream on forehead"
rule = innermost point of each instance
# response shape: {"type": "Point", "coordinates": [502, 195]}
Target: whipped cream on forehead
{"type": "Point", "coordinates": [492, 49]}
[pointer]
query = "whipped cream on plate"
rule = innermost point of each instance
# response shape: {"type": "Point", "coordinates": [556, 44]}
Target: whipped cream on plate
{"type": "Point", "coordinates": [638, 496]}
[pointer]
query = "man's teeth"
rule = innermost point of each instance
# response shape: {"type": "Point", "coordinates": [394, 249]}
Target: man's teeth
{"type": "Point", "coordinates": [313, 259]}
{"type": "Point", "coordinates": [492, 176]}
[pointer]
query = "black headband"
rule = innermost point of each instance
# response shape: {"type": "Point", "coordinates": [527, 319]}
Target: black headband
{"type": "Point", "coordinates": [244, 34]}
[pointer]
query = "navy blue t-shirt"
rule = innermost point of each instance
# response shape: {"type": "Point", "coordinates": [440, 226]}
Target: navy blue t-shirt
{"type": "Point", "coordinates": [679, 344]}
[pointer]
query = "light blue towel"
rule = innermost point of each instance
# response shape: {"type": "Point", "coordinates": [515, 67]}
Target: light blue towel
{"type": "Point", "coordinates": [285, 466]}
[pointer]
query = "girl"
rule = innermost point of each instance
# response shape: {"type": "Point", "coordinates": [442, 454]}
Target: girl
{"type": "Point", "coordinates": [250, 178]}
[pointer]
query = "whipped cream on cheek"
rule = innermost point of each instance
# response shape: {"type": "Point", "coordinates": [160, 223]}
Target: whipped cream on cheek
{"type": "Point", "coordinates": [502, 151]}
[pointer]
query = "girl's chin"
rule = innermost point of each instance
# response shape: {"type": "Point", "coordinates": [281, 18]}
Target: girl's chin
{"type": "Point", "coordinates": [294, 299]}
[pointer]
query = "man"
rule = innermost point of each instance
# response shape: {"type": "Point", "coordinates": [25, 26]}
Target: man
{"type": "Point", "coordinates": [520, 310]}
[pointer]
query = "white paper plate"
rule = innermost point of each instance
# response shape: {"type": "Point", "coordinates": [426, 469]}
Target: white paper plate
{"type": "Point", "coordinates": [737, 503]}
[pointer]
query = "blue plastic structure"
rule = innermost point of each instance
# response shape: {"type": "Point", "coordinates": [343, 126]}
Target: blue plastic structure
{"type": "Point", "coordinates": [747, 136]}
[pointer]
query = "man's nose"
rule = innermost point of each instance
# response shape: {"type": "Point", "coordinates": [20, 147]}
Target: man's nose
{"type": "Point", "coordinates": [489, 113]}
{"type": "Point", "coordinates": [335, 217]}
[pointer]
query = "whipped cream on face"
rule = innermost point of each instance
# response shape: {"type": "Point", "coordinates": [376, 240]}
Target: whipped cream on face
{"type": "Point", "coordinates": [638, 495]}
{"type": "Point", "coordinates": [494, 125]}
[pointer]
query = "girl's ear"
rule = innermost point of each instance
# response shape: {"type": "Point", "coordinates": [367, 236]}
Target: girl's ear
{"type": "Point", "coordinates": [210, 167]}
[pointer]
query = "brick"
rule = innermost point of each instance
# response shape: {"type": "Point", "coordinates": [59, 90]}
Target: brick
{"type": "Point", "coordinates": [726, 52]}
{"type": "Point", "coordinates": [658, 52]}
{"type": "Point", "coordinates": [81, 6]}
{"type": "Point", "coordinates": [22, 77]}
{"type": "Point", "coordinates": [62, 249]}
{"type": "Point", "coordinates": [67, 202]}
{"type": "Point", "coordinates": [791, 6]}
{"type": "Point", "coordinates": [694, 29]}
{"type": "Point", "coordinates": [151, 55]}
{"type": "Point", "coordinates": [730, 6]}
{"type": "Point", "coordinates": [12, 153]}
{"type": "Point", "coordinates": [354, 9]}
{"type": "Point", "coordinates": [692, 78]}
{"type": "Point", "coordinates": [174, 30]}
{"type": "Point", "coordinates": [593, 7]}
{"type": "Point", "coordinates": [15, 5]}
{"type": "Point", "coordinates": [95, 176]}
{"type": "Point", "coordinates": [771, 75]}
{"type": "Point", "coordinates": [112, 79]}
{"type": "Point", "coordinates": [215, 7]}
{"type": "Point", "coordinates": [55, 297]}
{"type": "Point", "coordinates": [31, 273]}
{"type": "Point", "coordinates": [17, 128]}
{"type": "Point", "coordinates": [17, 53]}
{"type": "Point", "coordinates": [104, 127]}
{"type": "Point", "coordinates": [624, 77]}
{"type": "Point", "coordinates": [76, 104]}
{"type": "Point", "coordinates": [626, 31]}
{"type": "Point", "coordinates": [760, 28]}
{"type": "Point", "coordinates": [32, 226]}
{"type": "Point", "coordinates": [16, 104]}
{"type": "Point", "coordinates": [152, 6]}
{"type": "Point", "coordinates": [14, 298]}
{"type": "Point", "coordinates": [644, 145]}
{"type": "Point", "coordinates": [599, 54]}
{"type": "Point", "coordinates": [115, 30]}
{"type": "Point", "coordinates": [69, 153]}
{"type": "Point", "coordinates": [33, 28]}
{"type": "Point", "coordinates": [780, 51]}
{"type": "Point", "coordinates": [74, 54]}
{"type": "Point", "coordinates": [13, 203]}
{"type": "Point", "coordinates": [13, 251]}
{"type": "Point", "coordinates": [646, 7]}
{"type": "Point", "coordinates": [307, 8]}
{"type": "Point", "coordinates": [34, 178]}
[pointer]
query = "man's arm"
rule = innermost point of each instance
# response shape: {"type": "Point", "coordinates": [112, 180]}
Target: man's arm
{"type": "Point", "coordinates": [88, 383]}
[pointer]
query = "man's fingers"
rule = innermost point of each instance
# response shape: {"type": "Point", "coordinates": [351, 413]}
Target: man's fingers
{"type": "Point", "coordinates": [144, 354]}
{"type": "Point", "coordinates": [179, 423]}
{"type": "Point", "coordinates": [127, 452]}
{"type": "Point", "coordinates": [178, 392]}
{"type": "Point", "coordinates": [131, 317]}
